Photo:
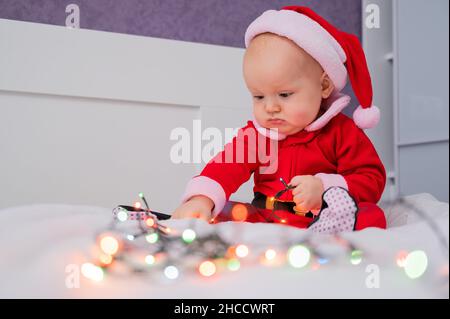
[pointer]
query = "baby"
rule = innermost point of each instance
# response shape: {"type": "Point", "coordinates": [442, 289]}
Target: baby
{"type": "Point", "coordinates": [295, 66]}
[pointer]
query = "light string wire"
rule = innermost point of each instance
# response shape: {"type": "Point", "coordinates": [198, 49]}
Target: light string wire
{"type": "Point", "coordinates": [212, 246]}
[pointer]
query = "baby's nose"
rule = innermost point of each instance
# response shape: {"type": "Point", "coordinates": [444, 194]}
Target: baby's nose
{"type": "Point", "coordinates": [272, 107]}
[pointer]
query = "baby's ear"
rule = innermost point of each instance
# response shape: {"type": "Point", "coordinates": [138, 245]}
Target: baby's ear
{"type": "Point", "coordinates": [327, 85]}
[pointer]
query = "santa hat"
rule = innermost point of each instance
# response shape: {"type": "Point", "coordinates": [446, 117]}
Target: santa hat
{"type": "Point", "coordinates": [340, 54]}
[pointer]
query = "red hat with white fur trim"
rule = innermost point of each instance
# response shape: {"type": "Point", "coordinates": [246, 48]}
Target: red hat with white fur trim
{"type": "Point", "coordinates": [340, 54]}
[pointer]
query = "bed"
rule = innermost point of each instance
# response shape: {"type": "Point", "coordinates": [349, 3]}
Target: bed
{"type": "Point", "coordinates": [42, 245]}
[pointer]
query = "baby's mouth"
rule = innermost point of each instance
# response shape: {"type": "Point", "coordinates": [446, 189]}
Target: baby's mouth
{"type": "Point", "coordinates": [276, 122]}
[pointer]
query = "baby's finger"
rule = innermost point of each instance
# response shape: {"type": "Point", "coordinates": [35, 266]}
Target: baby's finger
{"type": "Point", "coordinates": [301, 192]}
{"type": "Point", "coordinates": [296, 180]}
{"type": "Point", "coordinates": [298, 199]}
{"type": "Point", "coordinates": [306, 202]}
{"type": "Point", "coordinates": [302, 207]}
{"type": "Point", "coordinates": [181, 213]}
{"type": "Point", "coordinates": [297, 190]}
{"type": "Point", "coordinates": [203, 216]}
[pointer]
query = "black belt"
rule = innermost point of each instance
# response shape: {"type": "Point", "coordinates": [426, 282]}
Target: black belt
{"type": "Point", "coordinates": [265, 202]}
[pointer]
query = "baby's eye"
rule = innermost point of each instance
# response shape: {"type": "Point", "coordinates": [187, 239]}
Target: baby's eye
{"type": "Point", "coordinates": [258, 97]}
{"type": "Point", "coordinates": [284, 95]}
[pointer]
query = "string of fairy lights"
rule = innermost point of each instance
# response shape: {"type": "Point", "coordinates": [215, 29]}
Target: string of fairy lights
{"type": "Point", "coordinates": [137, 241]}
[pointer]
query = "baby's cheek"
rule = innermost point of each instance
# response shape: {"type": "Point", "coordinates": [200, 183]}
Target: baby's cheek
{"type": "Point", "coordinates": [256, 112]}
{"type": "Point", "coordinates": [308, 115]}
{"type": "Point", "coordinates": [298, 117]}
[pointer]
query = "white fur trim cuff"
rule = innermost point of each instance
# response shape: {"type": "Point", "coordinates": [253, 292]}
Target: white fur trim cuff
{"type": "Point", "coordinates": [202, 185]}
{"type": "Point", "coordinates": [330, 180]}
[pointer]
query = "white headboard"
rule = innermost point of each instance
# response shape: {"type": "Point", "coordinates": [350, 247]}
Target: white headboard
{"type": "Point", "coordinates": [86, 116]}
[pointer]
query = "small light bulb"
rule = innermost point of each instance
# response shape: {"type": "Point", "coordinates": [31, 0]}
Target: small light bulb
{"type": "Point", "coordinates": [270, 254]}
{"type": "Point", "coordinates": [233, 264]}
{"type": "Point", "coordinates": [231, 252]}
{"type": "Point", "coordinates": [188, 236]}
{"type": "Point", "coordinates": [137, 205]}
{"type": "Point", "coordinates": [105, 259]}
{"type": "Point", "coordinates": [152, 238]}
{"type": "Point", "coordinates": [92, 272]}
{"type": "Point", "coordinates": [150, 222]}
{"type": "Point", "coordinates": [150, 259]}
{"type": "Point", "coordinates": [207, 268]}
{"type": "Point", "coordinates": [122, 215]}
{"type": "Point", "coordinates": [416, 264]}
{"type": "Point", "coordinates": [242, 251]}
{"type": "Point", "coordinates": [239, 212]}
{"type": "Point", "coordinates": [109, 245]}
{"type": "Point", "coordinates": [298, 256]}
{"type": "Point", "coordinates": [171, 272]}
{"type": "Point", "coordinates": [356, 257]}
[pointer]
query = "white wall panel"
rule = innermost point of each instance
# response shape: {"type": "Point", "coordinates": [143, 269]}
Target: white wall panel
{"type": "Point", "coordinates": [86, 116]}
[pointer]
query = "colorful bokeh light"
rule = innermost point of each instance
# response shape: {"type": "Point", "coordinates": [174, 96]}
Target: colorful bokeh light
{"type": "Point", "coordinates": [152, 238]}
{"type": "Point", "coordinates": [188, 236]}
{"type": "Point", "coordinates": [150, 259]}
{"type": "Point", "coordinates": [207, 268]}
{"type": "Point", "coordinates": [356, 257]}
{"type": "Point", "coordinates": [270, 254]}
{"type": "Point", "coordinates": [150, 222]}
{"type": "Point", "coordinates": [401, 258]}
{"type": "Point", "coordinates": [233, 264]}
{"type": "Point", "coordinates": [122, 215]}
{"type": "Point", "coordinates": [239, 213]}
{"type": "Point", "coordinates": [242, 251]}
{"type": "Point", "coordinates": [92, 272]}
{"type": "Point", "coordinates": [298, 256]}
{"type": "Point", "coordinates": [109, 245]}
{"type": "Point", "coordinates": [171, 272]}
{"type": "Point", "coordinates": [416, 264]}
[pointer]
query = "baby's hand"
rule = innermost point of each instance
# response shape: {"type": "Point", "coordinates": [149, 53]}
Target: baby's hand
{"type": "Point", "coordinates": [196, 207]}
{"type": "Point", "coordinates": [307, 192]}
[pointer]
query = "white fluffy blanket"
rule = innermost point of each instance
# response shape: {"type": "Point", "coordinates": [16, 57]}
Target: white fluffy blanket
{"type": "Point", "coordinates": [38, 242]}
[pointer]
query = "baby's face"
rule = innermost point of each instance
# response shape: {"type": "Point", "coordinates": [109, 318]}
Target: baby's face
{"type": "Point", "coordinates": [285, 82]}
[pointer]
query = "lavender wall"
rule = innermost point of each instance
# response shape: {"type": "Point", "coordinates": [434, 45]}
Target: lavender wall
{"type": "Point", "coordinates": [221, 22]}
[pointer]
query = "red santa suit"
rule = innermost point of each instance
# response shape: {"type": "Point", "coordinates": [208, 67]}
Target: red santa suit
{"type": "Point", "coordinates": [333, 148]}
{"type": "Point", "coordinates": [339, 153]}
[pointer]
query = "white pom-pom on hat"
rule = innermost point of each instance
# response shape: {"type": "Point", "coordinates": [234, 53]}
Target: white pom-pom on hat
{"type": "Point", "coordinates": [366, 118]}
